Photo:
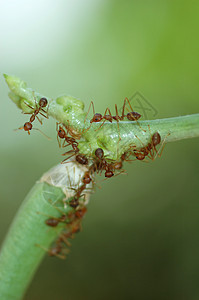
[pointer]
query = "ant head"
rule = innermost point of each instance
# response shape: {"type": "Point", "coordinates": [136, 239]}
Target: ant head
{"type": "Point", "coordinates": [27, 126]}
{"type": "Point", "coordinates": [97, 118]}
{"type": "Point", "coordinates": [133, 116]}
{"type": "Point", "coordinates": [61, 133]}
{"type": "Point", "coordinates": [139, 155]}
{"type": "Point", "coordinates": [109, 174]}
{"type": "Point", "coordinates": [86, 179]}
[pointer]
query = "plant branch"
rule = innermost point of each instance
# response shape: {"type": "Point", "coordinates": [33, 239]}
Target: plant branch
{"type": "Point", "coordinates": [70, 112]}
{"type": "Point", "coordinates": [23, 248]}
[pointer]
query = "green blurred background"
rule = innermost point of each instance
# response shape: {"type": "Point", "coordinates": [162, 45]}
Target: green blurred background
{"type": "Point", "coordinates": [140, 237]}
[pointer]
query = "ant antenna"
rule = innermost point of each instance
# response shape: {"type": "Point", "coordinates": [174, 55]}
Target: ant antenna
{"type": "Point", "coordinates": [43, 133]}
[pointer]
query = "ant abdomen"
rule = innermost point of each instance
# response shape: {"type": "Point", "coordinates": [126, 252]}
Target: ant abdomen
{"type": "Point", "coordinates": [81, 159]}
{"type": "Point", "coordinates": [43, 102]}
{"type": "Point", "coordinates": [133, 116]}
{"type": "Point", "coordinates": [156, 138]}
{"type": "Point", "coordinates": [52, 222]}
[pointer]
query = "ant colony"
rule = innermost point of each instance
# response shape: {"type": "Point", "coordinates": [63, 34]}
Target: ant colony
{"type": "Point", "coordinates": [97, 163]}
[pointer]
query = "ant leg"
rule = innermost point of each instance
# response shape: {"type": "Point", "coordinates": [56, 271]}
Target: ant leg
{"type": "Point", "coordinates": [43, 115]}
{"type": "Point", "coordinates": [85, 130]}
{"type": "Point", "coordinates": [123, 108]}
{"type": "Point", "coordinates": [105, 119]}
{"type": "Point", "coordinates": [40, 121]}
{"type": "Point", "coordinates": [29, 107]}
{"type": "Point", "coordinates": [64, 239]}
{"type": "Point", "coordinates": [36, 106]}
{"type": "Point", "coordinates": [89, 110]}
{"type": "Point", "coordinates": [121, 172]}
{"type": "Point", "coordinates": [63, 146]}
{"type": "Point", "coordinates": [58, 139]}
{"type": "Point", "coordinates": [50, 252]}
{"type": "Point", "coordinates": [127, 100]}
{"type": "Point", "coordinates": [25, 113]}
{"type": "Point", "coordinates": [46, 111]}
{"type": "Point", "coordinates": [57, 208]}
{"type": "Point", "coordinates": [68, 152]}
{"type": "Point", "coordinates": [153, 149]}
{"type": "Point", "coordinates": [59, 142]}
{"type": "Point", "coordinates": [67, 158]}
{"type": "Point", "coordinates": [145, 147]}
{"type": "Point", "coordinates": [140, 141]}
{"type": "Point", "coordinates": [117, 119]}
{"type": "Point", "coordinates": [159, 152]}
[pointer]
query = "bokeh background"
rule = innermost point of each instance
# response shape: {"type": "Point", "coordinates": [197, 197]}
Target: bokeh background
{"type": "Point", "coordinates": [140, 237]}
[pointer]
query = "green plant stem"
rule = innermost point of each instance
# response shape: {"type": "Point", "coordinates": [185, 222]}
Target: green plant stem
{"type": "Point", "coordinates": [114, 138]}
{"type": "Point", "coordinates": [20, 256]}
{"type": "Point", "coordinates": [171, 130]}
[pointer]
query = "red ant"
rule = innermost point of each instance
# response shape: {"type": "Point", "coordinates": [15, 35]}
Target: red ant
{"type": "Point", "coordinates": [57, 250]}
{"type": "Point", "coordinates": [103, 164]}
{"type": "Point", "coordinates": [78, 192]}
{"type": "Point", "coordinates": [75, 201]}
{"type": "Point", "coordinates": [71, 141]}
{"type": "Point", "coordinates": [150, 149]}
{"type": "Point", "coordinates": [109, 167]}
{"type": "Point", "coordinates": [53, 222]}
{"type": "Point", "coordinates": [125, 156]}
{"type": "Point", "coordinates": [61, 133]}
{"type": "Point", "coordinates": [38, 110]}
{"type": "Point", "coordinates": [80, 158]}
{"type": "Point", "coordinates": [131, 116]}
{"type": "Point", "coordinates": [28, 125]}
{"type": "Point", "coordinates": [112, 167]}
{"type": "Point", "coordinates": [69, 234]}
